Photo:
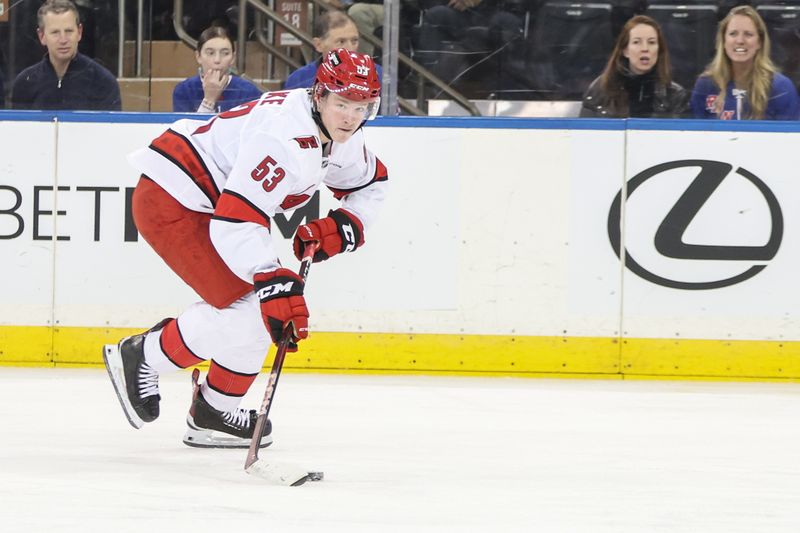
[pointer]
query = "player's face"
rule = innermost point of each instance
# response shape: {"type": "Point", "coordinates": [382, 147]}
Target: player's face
{"type": "Point", "coordinates": [741, 39]}
{"type": "Point", "coordinates": [60, 34]}
{"type": "Point", "coordinates": [216, 55]}
{"type": "Point", "coordinates": [341, 116]}
{"type": "Point", "coordinates": [342, 37]}
{"type": "Point", "coordinates": [642, 49]}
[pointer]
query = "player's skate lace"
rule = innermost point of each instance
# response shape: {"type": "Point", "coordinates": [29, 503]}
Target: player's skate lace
{"type": "Point", "coordinates": [148, 381]}
{"type": "Point", "coordinates": [239, 417]}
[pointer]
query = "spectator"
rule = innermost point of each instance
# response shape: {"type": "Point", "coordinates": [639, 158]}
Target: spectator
{"type": "Point", "coordinates": [215, 88]}
{"type": "Point", "coordinates": [332, 29]}
{"type": "Point", "coordinates": [754, 89]}
{"type": "Point", "coordinates": [637, 80]}
{"type": "Point", "coordinates": [367, 16]}
{"type": "Point", "coordinates": [65, 78]}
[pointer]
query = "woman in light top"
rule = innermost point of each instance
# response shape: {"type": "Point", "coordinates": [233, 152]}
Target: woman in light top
{"type": "Point", "coordinates": [215, 88]}
{"type": "Point", "coordinates": [753, 87]}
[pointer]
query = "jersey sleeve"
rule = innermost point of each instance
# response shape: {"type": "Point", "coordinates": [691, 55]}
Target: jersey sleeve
{"type": "Point", "coordinates": [784, 104]}
{"type": "Point", "coordinates": [262, 176]}
{"type": "Point", "coordinates": [699, 99]}
{"type": "Point", "coordinates": [361, 183]}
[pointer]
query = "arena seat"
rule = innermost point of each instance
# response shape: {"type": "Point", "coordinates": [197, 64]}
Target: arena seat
{"type": "Point", "coordinates": [690, 31]}
{"type": "Point", "coordinates": [570, 46]}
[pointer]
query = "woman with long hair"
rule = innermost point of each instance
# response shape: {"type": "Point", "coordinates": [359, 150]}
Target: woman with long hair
{"type": "Point", "coordinates": [215, 88]}
{"type": "Point", "coordinates": [637, 80]}
{"type": "Point", "coordinates": [753, 87]}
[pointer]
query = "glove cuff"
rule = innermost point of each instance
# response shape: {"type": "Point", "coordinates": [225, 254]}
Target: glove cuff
{"type": "Point", "coordinates": [351, 231]}
{"type": "Point", "coordinates": [277, 284]}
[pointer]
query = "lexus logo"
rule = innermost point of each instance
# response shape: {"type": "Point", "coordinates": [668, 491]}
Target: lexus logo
{"type": "Point", "coordinates": [669, 236]}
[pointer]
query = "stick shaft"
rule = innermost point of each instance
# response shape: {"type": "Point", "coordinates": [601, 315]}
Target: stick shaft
{"type": "Point", "coordinates": [275, 371]}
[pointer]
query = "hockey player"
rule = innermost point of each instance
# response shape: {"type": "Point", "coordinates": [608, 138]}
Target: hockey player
{"type": "Point", "coordinates": [204, 202]}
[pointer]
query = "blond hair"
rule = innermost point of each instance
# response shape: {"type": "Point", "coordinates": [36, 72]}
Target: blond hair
{"type": "Point", "coordinates": [758, 82]}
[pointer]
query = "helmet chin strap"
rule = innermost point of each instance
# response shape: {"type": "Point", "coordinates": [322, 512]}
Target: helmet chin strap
{"type": "Point", "coordinates": [318, 118]}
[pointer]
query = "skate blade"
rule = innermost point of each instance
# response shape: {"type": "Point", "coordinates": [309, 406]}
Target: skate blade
{"type": "Point", "coordinates": [113, 362]}
{"type": "Point", "coordinates": [198, 438]}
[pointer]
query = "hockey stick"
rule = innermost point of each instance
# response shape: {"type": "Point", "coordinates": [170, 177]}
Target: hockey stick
{"type": "Point", "coordinates": [276, 474]}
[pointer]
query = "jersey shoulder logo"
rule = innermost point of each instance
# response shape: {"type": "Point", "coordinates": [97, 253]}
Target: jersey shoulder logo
{"type": "Point", "coordinates": [309, 141]}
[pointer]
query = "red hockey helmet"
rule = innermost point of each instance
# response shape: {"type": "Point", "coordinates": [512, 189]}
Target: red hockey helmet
{"type": "Point", "coordinates": [350, 75]}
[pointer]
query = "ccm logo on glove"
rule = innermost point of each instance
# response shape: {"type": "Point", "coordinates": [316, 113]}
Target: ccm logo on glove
{"type": "Point", "coordinates": [274, 289]}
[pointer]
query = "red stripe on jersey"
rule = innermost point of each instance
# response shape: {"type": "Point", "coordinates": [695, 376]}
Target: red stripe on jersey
{"type": "Point", "coordinates": [174, 347]}
{"type": "Point", "coordinates": [237, 208]}
{"type": "Point", "coordinates": [381, 174]}
{"type": "Point", "coordinates": [294, 200]}
{"type": "Point", "coordinates": [227, 381]}
{"type": "Point", "coordinates": [180, 151]}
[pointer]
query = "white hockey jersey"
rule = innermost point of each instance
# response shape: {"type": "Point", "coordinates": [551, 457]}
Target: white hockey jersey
{"type": "Point", "coordinates": [255, 160]}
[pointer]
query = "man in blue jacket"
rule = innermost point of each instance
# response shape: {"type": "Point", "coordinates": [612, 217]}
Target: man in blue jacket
{"type": "Point", "coordinates": [64, 79]}
{"type": "Point", "coordinates": [333, 29]}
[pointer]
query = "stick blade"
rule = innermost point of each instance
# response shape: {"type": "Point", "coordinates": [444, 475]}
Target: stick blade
{"type": "Point", "coordinates": [290, 476]}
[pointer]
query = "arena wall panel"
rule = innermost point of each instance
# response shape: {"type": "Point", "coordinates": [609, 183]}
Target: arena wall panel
{"type": "Point", "coordinates": [498, 251]}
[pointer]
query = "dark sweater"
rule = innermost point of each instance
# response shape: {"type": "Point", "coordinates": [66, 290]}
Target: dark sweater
{"type": "Point", "coordinates": [641, 93]}
{"type": "Point", "coordinates": [646, 98]}
{"type": "Point", "coordinates": [85, 86]}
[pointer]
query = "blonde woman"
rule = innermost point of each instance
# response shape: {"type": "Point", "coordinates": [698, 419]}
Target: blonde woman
{"type": "Point", "coordinates": [753, 87]}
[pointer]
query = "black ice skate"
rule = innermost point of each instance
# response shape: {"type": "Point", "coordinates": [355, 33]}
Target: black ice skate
{"type": "Point", "coordinates": [210, 428]}
{"type": "Point", "coordinates": [135, 382]}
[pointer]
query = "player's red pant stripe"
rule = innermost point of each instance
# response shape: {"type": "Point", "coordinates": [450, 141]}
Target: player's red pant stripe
{"type": "Point", "coordinates": [180, 151]}
{"type": "Point", "coordinates": [227, 381]}
{"type": "Point", "coordinates": [174, 347]}
{"type": "Point", "coordinates": [232, 206]}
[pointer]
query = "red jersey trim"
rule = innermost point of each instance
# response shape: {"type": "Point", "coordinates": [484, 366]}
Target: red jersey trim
{"type": "Point", "coordinates": [381, 174]}
{"type": "Point", "coordinates": [233, 207]}
{"type": "Point", "coordinates": [178, 150]}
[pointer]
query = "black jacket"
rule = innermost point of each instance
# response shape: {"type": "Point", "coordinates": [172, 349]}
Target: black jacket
{"type": "Point", "coordinates": [85, 86]}
{"type": "Point", "coordinates": [646, 99]}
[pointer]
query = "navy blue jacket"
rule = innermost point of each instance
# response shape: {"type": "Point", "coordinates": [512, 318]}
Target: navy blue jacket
{"type": "Point", "coordinates": [306, 75]}
{"type": "Point", "coordinates": [85, 86]}
{"type": "Point", "coordinates": [188, 94]}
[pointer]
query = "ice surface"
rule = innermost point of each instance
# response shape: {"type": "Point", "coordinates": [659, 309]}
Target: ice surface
{"type": "Point", "coordinates": [409, 454]}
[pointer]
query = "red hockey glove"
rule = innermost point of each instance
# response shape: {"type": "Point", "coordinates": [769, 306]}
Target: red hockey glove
{"type": "Point", "coordinates": [339, 232]}
{"type": "Point", "coordinates": [282, 304]}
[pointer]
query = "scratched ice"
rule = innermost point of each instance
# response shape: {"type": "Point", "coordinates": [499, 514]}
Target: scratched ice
{"type": "Point", "coordinates": [410, 453]}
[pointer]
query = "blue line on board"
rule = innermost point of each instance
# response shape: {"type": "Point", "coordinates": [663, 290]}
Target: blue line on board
{"type": "Point", "coordinates": [439, 122]}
